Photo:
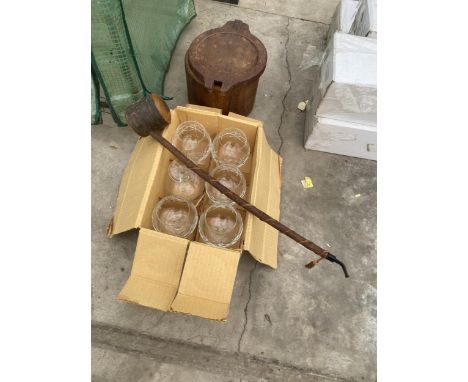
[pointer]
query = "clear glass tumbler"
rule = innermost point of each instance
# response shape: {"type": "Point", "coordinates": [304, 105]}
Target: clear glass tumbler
{"type": "Point", "coordinates": [175, 216]}
{"type": "Point", "coordinates": [220, 226]}
{"type": "Point", "coordinates": [230, 146]}
{"type": "Point", "coordinates": [194, 141]}
{"type": "Point", "coordinates": [229, 176]}
{"type": "Point", "coordinates": [183, 182]}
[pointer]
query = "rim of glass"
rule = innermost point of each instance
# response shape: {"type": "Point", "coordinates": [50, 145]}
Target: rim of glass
{"type": "Point", "coordinates": [197, 126]}
{"type": "Point", "coordinates": [239, 221]}
{"type": "Point", "coordinates": [156, 221]}
{"type": "Point", "coordinates": [187, 173]}
{"type": "Point", "coordinates": [230, 167]}
{"type": "Point", "coordinates": [235, 132]}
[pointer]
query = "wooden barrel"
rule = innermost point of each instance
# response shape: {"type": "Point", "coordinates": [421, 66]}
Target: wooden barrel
{"type": "Point", "coordinates": [223, 66]}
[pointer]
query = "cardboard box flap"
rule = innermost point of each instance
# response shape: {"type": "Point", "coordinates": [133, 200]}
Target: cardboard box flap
{"type": "Point", "coordinates": [244, 118]}
{"type": "Point", "coordinates": [135, 186]}
{"type": "Point", "coordinates": [261, 240]}
{"type": "Point", "coordinates": [156, 270]}
{"type": "Point", "coordinates": [207, 282]}
{"type": "Point", "coordinates": [203, 108]}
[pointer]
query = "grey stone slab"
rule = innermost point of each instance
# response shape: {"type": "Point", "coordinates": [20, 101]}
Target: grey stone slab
{"type": "Point", "coordinates": [112, 366]}
{"type": "Point", "coordinates": [320, 11]}
{"type": "Point", "coordinates": [213, 362]}
{"type": "Point", "coordinates": [317, 318]}
{"type": "Point", "coordinates": [311, 319]}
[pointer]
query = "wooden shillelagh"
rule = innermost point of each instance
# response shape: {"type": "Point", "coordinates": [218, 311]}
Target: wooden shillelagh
{"type": "Point", "coordinates": [150, 116]}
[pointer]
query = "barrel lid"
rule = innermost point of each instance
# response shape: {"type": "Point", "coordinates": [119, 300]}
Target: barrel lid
{"type": "Point", "coordinates": [223, 57]}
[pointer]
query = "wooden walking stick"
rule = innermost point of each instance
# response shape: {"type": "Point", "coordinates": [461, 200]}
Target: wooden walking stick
{"type": "Point", "coordinates": [150, 116]}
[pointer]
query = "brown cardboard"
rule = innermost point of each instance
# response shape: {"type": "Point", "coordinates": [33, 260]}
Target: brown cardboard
{"type": "Point", "coordinates": [207, 281]}
{"type": "Point", "coordinates": [157, 265]}
{"type": "Point", "coordinates": [133, 192]}
{"type": "Point", "coordinates": [261, 239]}
{"type": "Point", "coordinates": [175, 274]}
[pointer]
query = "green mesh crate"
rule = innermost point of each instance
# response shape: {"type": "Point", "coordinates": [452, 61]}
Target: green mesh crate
{"type": "Point", "coordinates": [131, 47]}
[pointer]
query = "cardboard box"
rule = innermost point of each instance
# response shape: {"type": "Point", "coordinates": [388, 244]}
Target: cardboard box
{"type": "Point", "coordinates": [343, 17]}
{"type": "Point", "coordinates": [342, 116]}
{"type": "Point", "coordinates": [365, 22]}
{"type": "Point", "coordinates": [175, 274]}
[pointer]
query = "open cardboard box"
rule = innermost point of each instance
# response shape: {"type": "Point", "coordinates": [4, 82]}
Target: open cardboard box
{"type": "Point", "coordinates": [174, 274]}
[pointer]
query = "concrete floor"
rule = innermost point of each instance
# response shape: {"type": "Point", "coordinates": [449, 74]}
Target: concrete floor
{"type": "Point", "coordinates": [289, 324]}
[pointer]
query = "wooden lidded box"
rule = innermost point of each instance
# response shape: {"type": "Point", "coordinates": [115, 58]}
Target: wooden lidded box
{"type": "Point", "coordinates": [223, 66]}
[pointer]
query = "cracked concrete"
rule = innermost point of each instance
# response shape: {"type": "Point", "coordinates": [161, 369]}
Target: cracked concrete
{"type": "Point", "coordinates": [287, 91]}
{"type": "Point", "coordinates": [318, 11]}
{"type": "Point", "coordinates": [285, 324]}
{"type": "Point", "coordinates": [137, 348]}
{"type": "Point", "coordinates": [247, 307]}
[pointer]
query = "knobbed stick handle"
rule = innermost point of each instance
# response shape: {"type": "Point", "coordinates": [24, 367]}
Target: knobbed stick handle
{"type": "Point", "coordinates": [247, 206]}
